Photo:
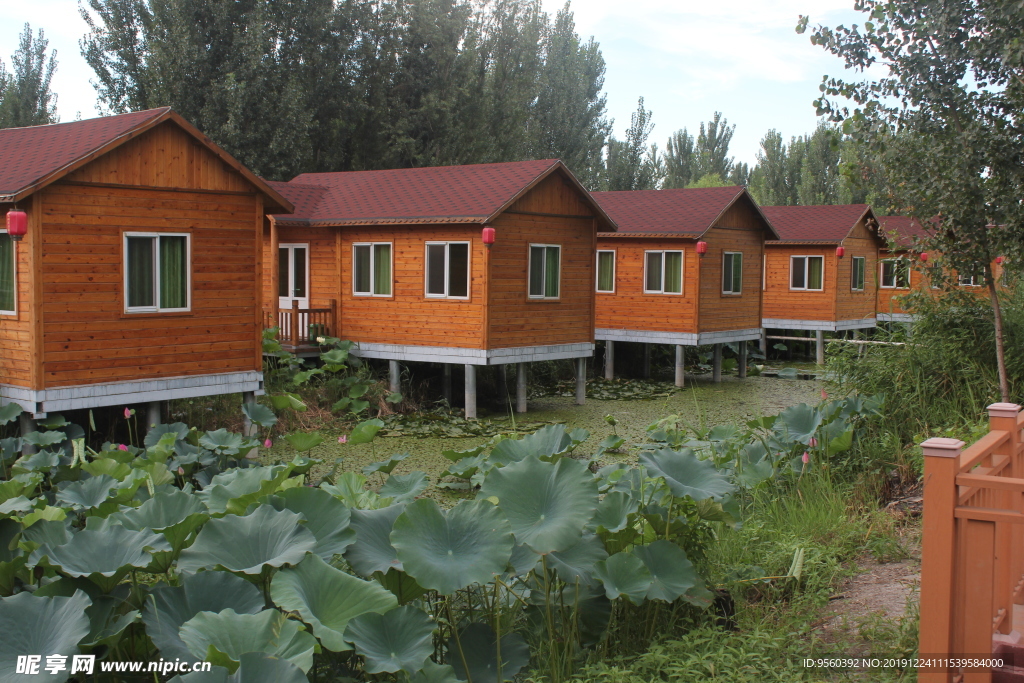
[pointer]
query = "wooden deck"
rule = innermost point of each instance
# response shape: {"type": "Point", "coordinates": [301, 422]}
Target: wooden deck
{"type": "Point", "coordinates": [299, 329]}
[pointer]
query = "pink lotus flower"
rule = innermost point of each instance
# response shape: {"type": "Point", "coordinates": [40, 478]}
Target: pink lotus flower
{"type": "Point", "coordinates": [343, 439]}
{"type": "Point", "coordinates": [122, 447]}
{"type": "Point", "coordinates": [181, 470]}
{"type": "Point", "coordinates": [813, 443]}
{"type": "Point", "coordinates": [268, 443]}
{"type": "Point", "coordinates": [127, 413]}
{"type": "Point", "coordinates": [806, 458]}
{"type": "Point", "coordinates": [824, 395]}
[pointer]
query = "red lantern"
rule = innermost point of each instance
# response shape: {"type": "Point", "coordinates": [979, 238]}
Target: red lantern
{"type": "Point", "coordinates": [924, 256]}
{"type": "Point", "coordinates": [840, 252]}
{"type": "Point", "coordinates": [702, 248]}
{"type": "Point", "coordinates": [17, 224]}
{"type": "Point", "coordinates": [488, 236]}
{"type": "Point", "coordinates": [999, 260]}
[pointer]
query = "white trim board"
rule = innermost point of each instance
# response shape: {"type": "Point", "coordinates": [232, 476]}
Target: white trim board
{"type": "Point", "coordinates": [677, 338]}
{"type": "Point", "coordinates": [827, 325]}
{"type": "Point", "coordinates": [82, 396]}
{"type": "Point", "coordinates": [450, 354]}
{"type": "Point", "coordinates": [894, 317]}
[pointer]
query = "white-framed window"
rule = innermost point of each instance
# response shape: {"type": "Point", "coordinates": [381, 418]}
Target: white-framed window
{"type": "Point", "coordinates": [8, 275]}
{"type": "Point", "coordinates": [732, 272]}
{"type": "Point", "coordinates": [447, 270]}
{"type": "Point", "coordinates": [371, 269]}
{"type": "Point", "coordinates": [606, 270]}
{"type": "Point", "coordinates": [857, 266]}
{"type": "Point", "coordinates": [157, 272]}
{"type": "Point", "coordinates": [895, 274]}
{"type": "Point", "coordinates": [663, 272]}
{"type": "Point", "coordinates": [545, 270]}
{"type": "Point", "coordinates": [970, 280]}
{"type": "Point", "coordinates": [807, 273]}
{"type": "Point", "coordinates": [293, 271]}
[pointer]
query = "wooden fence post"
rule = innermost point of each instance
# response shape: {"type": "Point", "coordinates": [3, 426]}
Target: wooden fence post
{"type": "Point", "coordinates": [334, 331]}
{"type": "Point", "coordinates": [1003, 417]}
{"type": "Point", "coordinates": [938, 547]}
{"type": "Point", "coordinates": [295, 323]}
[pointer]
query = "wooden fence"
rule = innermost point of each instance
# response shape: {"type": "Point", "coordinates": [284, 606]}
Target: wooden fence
{"type": "Point", "coordinates": [301, 326]}
{"type": "Point", "coordinates": [972, 555]}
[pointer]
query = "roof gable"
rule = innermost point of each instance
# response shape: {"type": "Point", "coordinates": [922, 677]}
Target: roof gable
{"type": "Point", "coordinates": [824, 223]}
{"type": "Point", "coordinates": [475, 193]}
{"type": "Point", "coordinates": [682, 212]}
{"type": "Point", "coordinates": [903, 230]}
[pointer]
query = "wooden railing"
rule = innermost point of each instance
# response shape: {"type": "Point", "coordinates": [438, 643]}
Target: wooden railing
{"type": "Point", "coordinates": [301, 326]}
{"type": "Point", "coordinates": [972, 554]}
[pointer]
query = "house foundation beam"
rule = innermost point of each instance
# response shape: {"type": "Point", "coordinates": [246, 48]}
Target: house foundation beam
{"type": "Point", "coordinates": [27, 425]}
{"type": "Point", "coordinates": [581, 381]}
{"type": "Point", "coordinates": [470, 392]}
{"type": "Point", "coordinates": [155, 412]}
{"type": "Point", "coordinates": [716, 364]}
{"type": "Point", "coordinates": [609, 359]}
{"type": "Point", "coordinates": [446, 384]}
{"type": "Point", "coordinates": [742, 366]}
{"type": "Point", "coordinates": [647, 361]}
{"type": "Point", "coordinates": [521, 387]}
{"type": "Point", "coordinates": [394, 376]}
{"type": "Point", "coordinates": [763, 342]}
{"type": "Point", "coordinates": [819, 346]}
{"type": "Point", "coordinates": [680, 367]}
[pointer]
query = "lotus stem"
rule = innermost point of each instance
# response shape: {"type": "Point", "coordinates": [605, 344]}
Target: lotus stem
{"type": "Point", "coordinates": [458, 641]}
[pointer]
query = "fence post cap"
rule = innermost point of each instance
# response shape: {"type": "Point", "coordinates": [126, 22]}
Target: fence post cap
{"type": "Point", "coordinates": [1003, 410]}
{"type": "Point", "coordinates": [942, 447]}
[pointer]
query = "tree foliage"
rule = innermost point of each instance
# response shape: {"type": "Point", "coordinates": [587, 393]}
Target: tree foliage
{"type": "Point", "coordinates": [631, 164]}
{"type": "Point", "coordinates": [25, 97]}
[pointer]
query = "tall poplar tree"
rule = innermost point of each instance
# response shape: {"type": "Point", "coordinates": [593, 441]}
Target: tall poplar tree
{"type": "Point", "coordinates": [25, 96]}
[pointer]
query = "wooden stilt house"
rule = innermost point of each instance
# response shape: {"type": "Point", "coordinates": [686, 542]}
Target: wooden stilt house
{"type": "Point", "coordinates": [684, 268]}
{"type": "Point", "coordinates": [486, 264]}
{"type": "Point", "coordinates": [820, 274]}
{"type": "Point", "coordinates": [897, 275]}
{"type": "Point", "coordinates": [138, 278]}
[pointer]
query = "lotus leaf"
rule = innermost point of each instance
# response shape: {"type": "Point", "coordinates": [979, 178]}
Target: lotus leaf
{"type": "Point", "coordinates": [435, 673]}
{"type": "Point", "coordinates": [841, 443]}
{"type": "Point", "coordinates": [12, 560]}
{"type": "Point", "coordinates": [327, 598]}
{"type": "Point", "coordinates": [168, 607]}
{"type": "Point", "coordinates": [44, 439]}
{"type": "Point", "coordinates": [303, 441]}
{"type": "Point", "coordinates": [385, 466]}
{"type": "Point", "coordinates": [174, 514]}
{"type": "Point", "coordinates": [87, 494]}
{"type": "Point", "coordinates": [222, 442]}
{"type": "Point", "coordinates": [236, 489]}
{"type": "Point", "coordinates": [234, 634]}
{"type": "Point", "coordinates": [14, 505]}
{"type": "Point", "coordinates": [107, 466]}
{"type": "Point", "coordinates": [624, 574]}
{"type": "Point", "coordinates": [42, 625]}
{"type": "Point", "coordinates": [350, 488]}
{"type": "Point", "coordinates": [456, 456]}
{"type": "Point", "coordinates": [267, 537]}
{"type": "Point", "coordinates": [547, 504]}
{"type": "Point", "coordinates": [467, 467]}
{"type": "Point", "coordinates": [447, 551]}
{"type": "Point", "coordinates": [46, 513]}
{"type": "Point", "coordinates": [105, 556]}
{"type": "Point", "coordinates": [547, 441]}
{"type": "Point", "coordinates": [254, 667]}
{"type": "Point", "coordinates": [401, 585]}
{"type": "Point", "coordinates": [799, 422]}
{"type": "Point", "coordinates": [576, 563]}
{"type": "Point", "coordinates": [107, 620]}
{"type": "Point", "coordinates": [10, 412]}
{"type": "Point", "coordinates": [326, 517]}
{"type": "Point", "coordinates": [372, 550]}
{"type": "Point", "coordinates": [613, 511]}
{"type": "Point", "coordinates": [12, 489]}
{"type": "Point", "coordinates": [688, 475]}
{"type": "Point", "coordinates": [365, 431]}
{"type": "Point", "coordinates": [474, 654]}
{"type": "Point", "coordinates": [671, 571]}
{"type": "Point", "coordinates": [157, 432]}
{"type": "Point", "coordinates": [402, 488]}
{"type": "Point", "coordinates": [523, 560]}
{"type": "Point", "coordinates": [37, 462]}
{"type": "Point", "coordinates": [399, 640]}
{"type": "Point", "coordinates": [283, 401]}
{"type": "Point", "coordinates": [259, 414]}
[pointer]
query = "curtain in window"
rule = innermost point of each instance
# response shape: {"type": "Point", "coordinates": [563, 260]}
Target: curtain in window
{"type": "Point", "coordinates": [673, 272]}
{"type": "Point", "coordinates": [140, 272]}
{"type": "Point", "coordinates": [174, 272]}
{"type": "Point", "coordinates": [814, 267]}
{"type": "Point", "coordinates": [797, 272]}
{"type": "Point", "coordinates": [888, 278]}
{"type": "Point", "coordinates": [653, 283]}
{"type": "Point", "coordinates": [435, 269]}
{"type": "Point", "coordinates": [551, 268]}
{"type": "Point", "coordinates": [458, 270]}
{"type": "Point", "coordinates": [7, 294]}
{"type": "Point", "coordinates": [902, 274]}
{"type": "Point", "coordinates": [382, 269]}
{"type": "Point", "coordinates": [733, 273]}
{"type": "Point", "coordinates": [737, 274]}
{"type": "Point", "coordinates": [536, 271]}
{"type": "Point", "coordinates": [362, 269]}
{"type": "Point", "coordinates": [605, 271]}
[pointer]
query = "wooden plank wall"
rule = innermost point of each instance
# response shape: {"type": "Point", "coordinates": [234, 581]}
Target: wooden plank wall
{"type": "Point", "coordinates": [323, 269]}
{"type": "Point", "coordinates": [16, 331]}
{"type": "Point", "coordinates": [779, 302]}
{"type": "Point", "coordinates": [740, 229]}
{"type": "Point", "coordinates": [888, 300]}
{"type": "Point", "coordinates": [851, 305]}
{"type": "Point", "coordinates": [553, 212]}
{"type": "Point", "coordinates": [629, 308]}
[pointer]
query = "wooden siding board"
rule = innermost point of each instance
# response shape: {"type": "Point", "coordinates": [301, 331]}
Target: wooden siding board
{"type": "Point", "coordinates": [741, 229]}
{"type": "Point", "coordinates": [780, 302]}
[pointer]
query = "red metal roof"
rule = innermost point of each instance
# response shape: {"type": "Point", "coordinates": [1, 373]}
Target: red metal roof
{"type": "Point", "coordinates": [441, 194]}
{"type": "Point", "coordinates": [826, 223]}
{"type": "Point", "coordinates": [901, 229]}
{"type": "Point", "coordinates": [676, 212]}
{"type": "Point", "coordinates": [28, 155]}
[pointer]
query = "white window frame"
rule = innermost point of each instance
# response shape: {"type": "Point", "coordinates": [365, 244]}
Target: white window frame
{"type": "Point", "coordinates": [14, 254]}
{"type": "Point", "coordinates": [447, 260]}
{"type": "Point", "coordinates": [529, 271]}
{"type": "Point", "coordinates": [725, 255]}
{"type": "Point", "coordinates": [895, 279]}
{"type": "Point", "coordinates": [597, 273]}
{"type": "Point", "coordinates": [969, 281]}
{"type": "Point", "coordinates": [853, 273]}
{"type": "Point", "coordinates": [291, 246]}
{"type": "Point", "coordinates": [807, 272]}
{"type": "Point", "coordinates": [156, 272]}
{"type": "Point", "coordinates": [682, 271]}
{"type": "Point", "coordinates": [372, 267]}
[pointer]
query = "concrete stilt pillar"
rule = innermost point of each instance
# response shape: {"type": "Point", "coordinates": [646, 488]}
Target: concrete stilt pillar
{"type": "Point", "coordinates": [446, 384]}
{"type": "Point", "coordinates": [716, 364]}
{"type": "Point", "coordinates": [819, 346]}
{"type": "Point", "coordinates": [520, 387]}
{"type": "Point", "coordinates": [742, 364]}
{"type": "Point", "coordinates": [680, 368]}
{"type": "Point", "coordinates": [155, 412]}
{"type": "Point", "coordinates": [394, 376]}
{"type": "Point", "coordinates": [647, 361]}
{"type": "Point", "coordinates": [503, 382]}
{"type": "Point", "coordinates": [470, 392]}
{"type": "Point", "coordinates": [609, 359]}
{"type": "Point", "coordinates": [27, 425]}
{"type": "Point", "coordinates": [763, 342]}
{"type": "Point", "coordinates": [581, 381]}
{"type": "Point", "coordinates": [860, 347]}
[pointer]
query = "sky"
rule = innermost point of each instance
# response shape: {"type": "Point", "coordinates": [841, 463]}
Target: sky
{"type": "Point", "coordinates": [686, 58]}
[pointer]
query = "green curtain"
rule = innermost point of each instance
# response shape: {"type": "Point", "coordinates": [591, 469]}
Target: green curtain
{"type": "Point", "coordinates": [551, 270]}
{"type": "Point", "coordinates": [735, 273]}
{"type": "Point", "coordinates": [7, 295]}
{"type": "Point", "coordinates": [653, 278]}
{"type": "Point", "coordinates": [382, 269]}
{"type": "Point", "coordinates": [536, 271]}
{"type": "Point", "coordinates": [174, 271]}
{"type": "Point", "coordinates": [814, 266]}
{"type": "Point", "coordinates": [673, 272]}
{"type": "Point", "coordinates": [858, 272]}
{"type": "Point", "coordinates": [140, 272]}
{"type": "Point", "coordinates": [605, 271]}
